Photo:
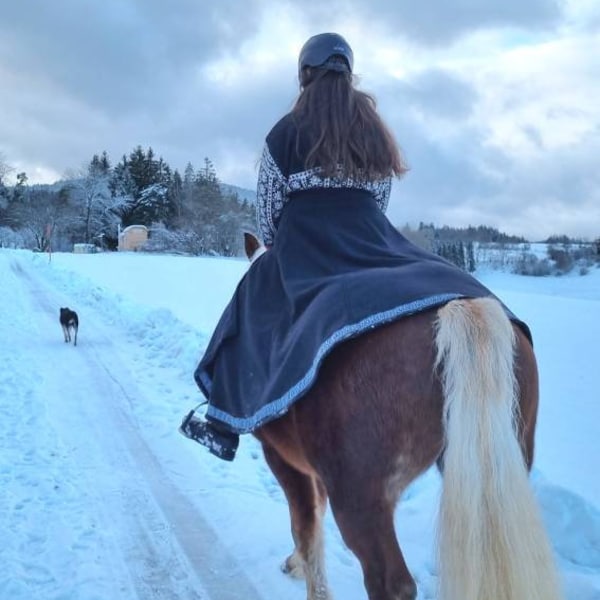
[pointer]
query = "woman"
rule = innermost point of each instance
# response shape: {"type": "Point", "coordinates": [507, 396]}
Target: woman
{"type": "Point", "coordinates": [333, 138]}
{"type": "Point", "coordinates": [335, 268]}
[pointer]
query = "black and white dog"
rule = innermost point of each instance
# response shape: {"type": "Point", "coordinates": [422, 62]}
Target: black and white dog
{"type": "Point", "coordinates": [69, 321]}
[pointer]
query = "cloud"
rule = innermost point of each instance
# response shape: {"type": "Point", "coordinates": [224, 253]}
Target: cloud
{"type": "Point", "coordinates": [494, 103]}
{"type": "Point", "coordinates": [180, 77]}
{"type": "Point", "coordinates": [520, 153]}
{"type": "Point", "coordinates": [439, 22]}
{"type": "Point", "coordinates": [434, 92]}
{"type": "Point", "coordinates": [120, 55]}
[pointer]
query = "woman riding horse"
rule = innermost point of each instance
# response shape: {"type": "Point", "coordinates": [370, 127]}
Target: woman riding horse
{"type": "Point", "coordinates": [336, 266]}
{"type": "Point", "coordinates": [359, 360]}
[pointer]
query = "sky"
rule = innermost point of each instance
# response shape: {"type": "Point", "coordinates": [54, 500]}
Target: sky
{"type": "Point", "coordinates": [103, 498]}
{"type": "Point", "coordinates": [494, 104]}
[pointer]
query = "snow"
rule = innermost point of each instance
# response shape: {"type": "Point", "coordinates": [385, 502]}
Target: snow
{"type": "Point", "coordinates": [103, 499]}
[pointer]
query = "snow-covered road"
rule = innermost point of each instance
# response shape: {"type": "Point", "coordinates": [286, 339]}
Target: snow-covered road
{"type": "Point", "coordinates": [102, 492]}
{"type": "Point", "coordinates": [102, 499]}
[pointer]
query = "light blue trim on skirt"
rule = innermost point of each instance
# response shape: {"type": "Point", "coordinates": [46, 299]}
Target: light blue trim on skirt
{"type": "Point", "coordinates": [281, 405]}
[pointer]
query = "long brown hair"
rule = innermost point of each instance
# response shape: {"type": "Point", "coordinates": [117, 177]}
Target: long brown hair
{"type": "Point", "coordinates": [342, 129]}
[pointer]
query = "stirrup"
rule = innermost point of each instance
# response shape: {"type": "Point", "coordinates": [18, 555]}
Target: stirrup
{"type": "Point", "coordinates": [220, 443]}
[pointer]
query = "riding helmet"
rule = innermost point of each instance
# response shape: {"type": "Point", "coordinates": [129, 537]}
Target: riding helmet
{"type": "Point", "coordinates": [320, 48]}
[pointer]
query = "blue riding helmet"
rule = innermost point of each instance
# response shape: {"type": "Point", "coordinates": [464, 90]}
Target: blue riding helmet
{"type": "Point", "coordinates": [320, 48]}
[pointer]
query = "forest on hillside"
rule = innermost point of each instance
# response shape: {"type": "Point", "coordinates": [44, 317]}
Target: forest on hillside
{"type": "Point", "coordinates": [472, 247]}
{"type": "Point", "coordinates": [190, 213]}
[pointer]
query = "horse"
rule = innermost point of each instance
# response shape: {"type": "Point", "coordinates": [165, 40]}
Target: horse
{"type": "Point", "coordinates": [455, 386]}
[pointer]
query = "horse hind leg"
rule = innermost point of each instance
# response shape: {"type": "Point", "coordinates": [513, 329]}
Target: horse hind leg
{"type": "Point", "coordinates": [365, 517]}
{"type": "Point", "coordinates": [307, 500]}
{"type": "Point", "coordinates": [295, 564]}
{"type": "Point", "coordinates": [528, 388]}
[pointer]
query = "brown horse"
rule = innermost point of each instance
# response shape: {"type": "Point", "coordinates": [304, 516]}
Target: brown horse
{"type": "Point", "coordinates": [457, 385]}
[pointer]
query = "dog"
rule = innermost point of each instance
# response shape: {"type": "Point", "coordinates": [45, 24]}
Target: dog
{"type": "Point", "coordinates": [69, 321]}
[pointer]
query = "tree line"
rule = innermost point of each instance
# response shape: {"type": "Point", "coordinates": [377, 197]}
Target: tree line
{"type": "Point", "coordinates": [189, 213]}
{"type": "Point", "coordinates": [457, 244]}
{"type": "Point", "coordinates": [468, 247]}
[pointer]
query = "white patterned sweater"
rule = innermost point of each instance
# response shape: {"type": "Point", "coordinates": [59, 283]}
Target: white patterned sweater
{"type": "Point", "coordinates": [282, 173]}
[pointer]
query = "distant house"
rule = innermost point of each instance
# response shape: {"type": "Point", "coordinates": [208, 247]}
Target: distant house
{"type": "Point", "coordinates": [132, 237]}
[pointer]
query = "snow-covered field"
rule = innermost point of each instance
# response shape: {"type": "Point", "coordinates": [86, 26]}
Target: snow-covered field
{"type": "Point", "coordinates": [103, 499]}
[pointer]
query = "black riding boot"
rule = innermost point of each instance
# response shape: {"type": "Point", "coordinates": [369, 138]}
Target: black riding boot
{"type": "Point", "coordinates": [220, 443]}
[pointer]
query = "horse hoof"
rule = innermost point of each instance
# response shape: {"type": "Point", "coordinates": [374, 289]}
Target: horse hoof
{"type": "Point", "coordinates": [293, 566]}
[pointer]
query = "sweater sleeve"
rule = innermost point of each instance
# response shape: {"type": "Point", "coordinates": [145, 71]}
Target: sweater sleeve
{"type": "Point", "coordinates": [270, 197]}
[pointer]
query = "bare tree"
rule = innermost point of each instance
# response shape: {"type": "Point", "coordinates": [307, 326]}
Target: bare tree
{"type": "Point", "coordinates": [40, 211]}
{"type": "Point", "coordinates": [96, 210]}
{"type": "Point", "coordinates": [5, 169]}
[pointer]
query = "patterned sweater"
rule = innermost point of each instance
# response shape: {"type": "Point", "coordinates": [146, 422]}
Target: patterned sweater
{"type": "Point", "coordinates": [282, 173]}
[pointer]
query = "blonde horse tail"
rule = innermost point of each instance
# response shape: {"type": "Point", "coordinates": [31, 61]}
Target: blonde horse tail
{"type": "Point", "coordinates": [492, 544]}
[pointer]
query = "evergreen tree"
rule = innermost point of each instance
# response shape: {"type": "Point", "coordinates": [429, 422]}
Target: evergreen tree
{"type": "Point", "coordinates": [460, 256]}
{"type": "Point", "coordinates": [21, 187]}
{"type": "Point", "coordinates": [141, 182]}
{"type": "Point", "coordinates": [99, 165]}
{"type": "Point", "coordinates": [175, 197]}
{"type": "Point", "coordinates": [471, 263]}
{"type": "Point", "coordinates": [186, 205]}
{"type": "Point", "coordinates": [208, 193]}
{"type": "Point", "coordinates": [453, 252]}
